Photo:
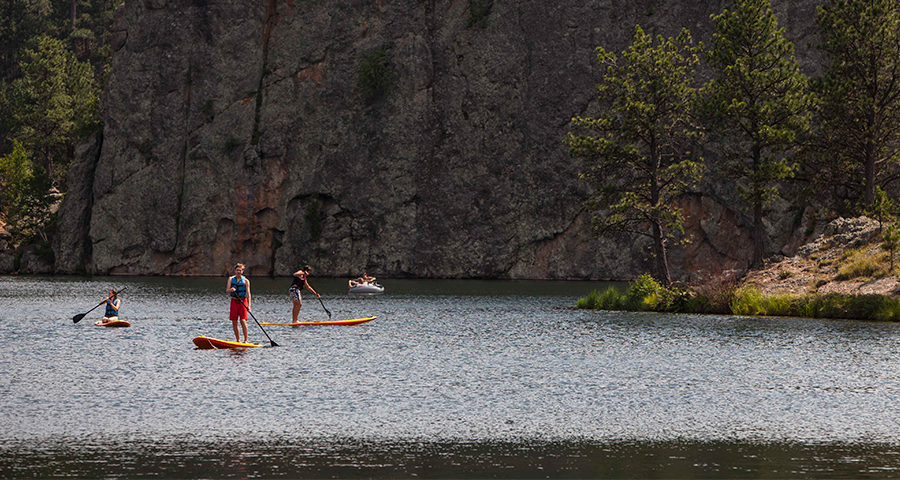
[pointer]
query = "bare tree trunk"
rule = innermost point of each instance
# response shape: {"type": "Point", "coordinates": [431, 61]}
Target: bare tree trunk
{"type": "Point", "coordinates": [72, 13]}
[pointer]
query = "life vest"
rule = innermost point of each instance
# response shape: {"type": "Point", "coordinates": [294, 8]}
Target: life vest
{"type": "Point", "coordinates": [110, 310]}
{"type": "Point", "coordinates": [240, 288]}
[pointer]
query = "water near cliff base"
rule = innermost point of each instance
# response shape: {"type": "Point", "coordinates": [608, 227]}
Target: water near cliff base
{"type": "Point", "coordinates": [454, 379]}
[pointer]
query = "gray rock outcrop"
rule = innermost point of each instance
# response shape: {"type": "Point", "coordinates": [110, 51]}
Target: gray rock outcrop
{"type": "Point", "coordinates": [269, 133]}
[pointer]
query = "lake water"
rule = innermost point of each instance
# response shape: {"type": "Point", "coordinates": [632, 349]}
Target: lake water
{"type": "Point", "coordinates": [453, 379]}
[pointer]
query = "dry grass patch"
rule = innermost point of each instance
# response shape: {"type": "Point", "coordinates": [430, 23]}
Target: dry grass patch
{"type": "Point", "coordinates": [863, 264]}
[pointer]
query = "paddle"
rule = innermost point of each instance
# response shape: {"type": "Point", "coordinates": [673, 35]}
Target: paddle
{"type": "Point", "coordinates": [257, 322]}
{"type": "Point", "coordinates": [323, 306]}
{"type": "Point", "coordinates": [77, 318]}
{"type": "Point", "coordinates": [320, 300]}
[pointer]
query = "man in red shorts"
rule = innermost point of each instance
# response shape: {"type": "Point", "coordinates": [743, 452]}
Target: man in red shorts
{"type": "Point", "coordinates": [239, 288]}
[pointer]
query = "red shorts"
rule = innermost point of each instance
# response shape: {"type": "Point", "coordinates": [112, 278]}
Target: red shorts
{"type": "Point", "coordinates": [238, 310]}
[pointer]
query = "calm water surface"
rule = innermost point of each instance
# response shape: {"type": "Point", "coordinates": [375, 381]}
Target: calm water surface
{"type": "Point", "coordinates": [453, 379]}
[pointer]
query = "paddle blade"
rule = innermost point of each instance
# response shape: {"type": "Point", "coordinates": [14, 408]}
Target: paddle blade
{"type": "Point", "coordinates": [77, 318]}
{"type": "Point", "coordinates": [273, 343]}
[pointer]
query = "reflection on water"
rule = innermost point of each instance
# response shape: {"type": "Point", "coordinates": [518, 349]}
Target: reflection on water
{"type": "Point", "coordinates": [342, 458]}
{"type": "Point", "coordinates": [454, 379]}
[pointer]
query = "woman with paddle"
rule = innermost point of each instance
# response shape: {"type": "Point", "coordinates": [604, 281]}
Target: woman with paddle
{"type": "Point", "coordinates": [300, 282]}
{"type": "Point", "coordinates": [238, 287]}
{"type": "Point", "coordinates": [112, 308]}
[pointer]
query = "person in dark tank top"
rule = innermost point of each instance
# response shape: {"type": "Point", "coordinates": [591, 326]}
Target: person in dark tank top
{"type": "Point", "coordinates": [298, 283]}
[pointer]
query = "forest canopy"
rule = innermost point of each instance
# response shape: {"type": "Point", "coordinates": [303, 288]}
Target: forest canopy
{"type": "Point", "coordinates": [54, 59]}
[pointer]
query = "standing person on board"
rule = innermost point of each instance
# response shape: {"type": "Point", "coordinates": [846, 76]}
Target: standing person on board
{"type": "Point", "coordinates": [112, 308]}
{"type": "Point", "coordinates": [238, 287]}
{"type": "Point", "coordinates": [300, 282]}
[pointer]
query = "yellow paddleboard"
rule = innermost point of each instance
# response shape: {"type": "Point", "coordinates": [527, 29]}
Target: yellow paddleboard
{"type": "Point", "coordinates": [328, 322]}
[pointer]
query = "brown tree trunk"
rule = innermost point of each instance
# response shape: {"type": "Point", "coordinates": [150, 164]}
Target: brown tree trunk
{"type": "Point", "coordinates": [759, 230]}
{"type": "Point", "coordinates": [660, 257]}
{"type": "Point", "coordinates": [659, 239]}
{"type": "Point", "coordinates": [759, 234]}
{"type": "Point", "coordinates": [869, 196]}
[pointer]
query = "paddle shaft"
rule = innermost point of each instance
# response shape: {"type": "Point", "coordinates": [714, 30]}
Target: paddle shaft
{"type": "Point", "coordinates": [320, 301]}
{"type": "Point", "coordinates": [257, 322]}
{"type": "Point", "coordinates": [77, 318]}
{"type": "Point", "coordinates": [323, 306]}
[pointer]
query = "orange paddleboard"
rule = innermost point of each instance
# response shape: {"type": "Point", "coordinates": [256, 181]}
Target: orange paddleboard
{"type": "Point", "coordinates": [114, 323]}
{"type": "Point", "coordinates": [207, 343]}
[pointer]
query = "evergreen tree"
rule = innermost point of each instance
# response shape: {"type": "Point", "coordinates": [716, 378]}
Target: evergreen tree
{"type": "Point", "coordinates": [20, 20]}
{"type": "Point", "coordinates": [25, 197]}
{"type": "Point", "coordinates": [757, 104]}
{"type": "Point", "coordinates": [860, 118]}
{"type": "Point", "coordinates": [55, 99]}
{"type": "Point", "coordinates": [638, 149]}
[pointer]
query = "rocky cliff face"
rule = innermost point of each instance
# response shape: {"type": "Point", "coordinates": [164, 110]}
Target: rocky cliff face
{"type": "Point", "coordinates": [265, 132]}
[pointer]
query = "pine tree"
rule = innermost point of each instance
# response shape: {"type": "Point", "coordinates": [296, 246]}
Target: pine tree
{"type": "Point", "coordinates": [638, 150]}
{"type": "Point", "coordinates": [861, 94]}
{"type": "Point", "coordinates": [55, 99]}
{"type": "Point", "coordinates": [757, 104]}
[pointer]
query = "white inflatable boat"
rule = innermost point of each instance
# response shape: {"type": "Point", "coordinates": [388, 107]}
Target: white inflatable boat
{"type": "Point", "coordinates": [366, 288]}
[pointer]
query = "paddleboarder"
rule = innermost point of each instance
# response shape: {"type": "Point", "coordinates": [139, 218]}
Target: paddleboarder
{"type": "Point", "coordinates": [300, 282]}
{"type": "Point", "coordinates": [112, 308]}
{"type": "Point", "coordinates": [238, 287]}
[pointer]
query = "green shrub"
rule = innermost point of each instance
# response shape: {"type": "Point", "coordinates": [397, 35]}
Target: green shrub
{"type": "Point", "coordinates": [641, 291]}
{"type": "Point", "coordinates": [609, 299]}
{"type": "Point", "coordinates": [888, 311]}
{"type": "Point", "coordinates": [747, 301]}
{"type": "Point", "coordinates": [852, 307]}
{"type": "Point", "coordinates": [750, 301]}
{"type": "Point", "coordinates": [682, 301]}
{"type": "Point", "coordinates": [716, 296]}
{"type": "Point", "coordinates": [589, 302]}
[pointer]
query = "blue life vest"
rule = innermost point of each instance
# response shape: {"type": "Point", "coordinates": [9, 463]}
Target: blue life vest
{"type": "Point", "coordinates": [240, 289]}
{"type": "Point", "coordinates": [110, 311]}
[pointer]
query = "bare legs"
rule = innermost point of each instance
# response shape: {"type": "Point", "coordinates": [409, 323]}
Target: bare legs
{"type": "Point", "coordinates": [296, 311]}
{"type": "Point", "coordinates": [237, 335]}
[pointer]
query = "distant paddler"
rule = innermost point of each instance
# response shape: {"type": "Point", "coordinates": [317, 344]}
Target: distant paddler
{"type": "Point", "coordinates": [112, 308]}
{"type": "Point", "coordinates": [238, 287]}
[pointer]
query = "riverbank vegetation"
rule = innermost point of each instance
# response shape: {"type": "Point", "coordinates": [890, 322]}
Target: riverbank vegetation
{"type": "Point", "coordinates": [846, 272]}
{"type": "Point", "coordinates": [646, 294]}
